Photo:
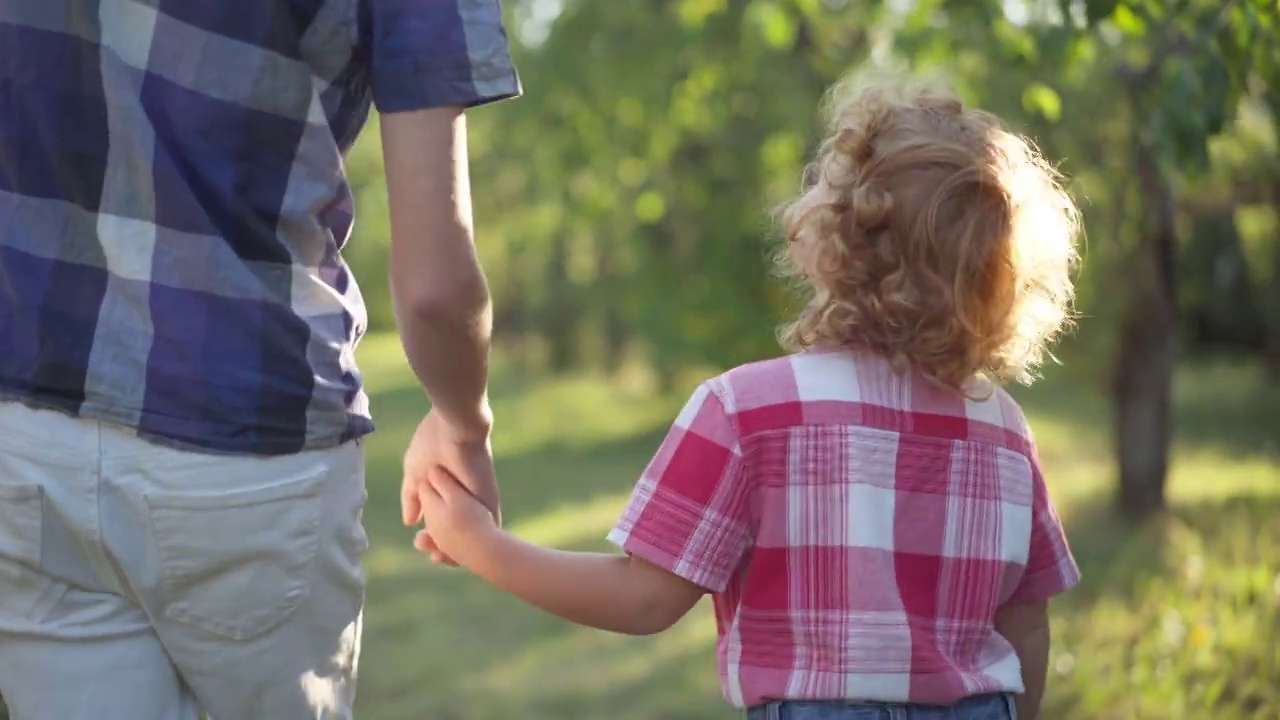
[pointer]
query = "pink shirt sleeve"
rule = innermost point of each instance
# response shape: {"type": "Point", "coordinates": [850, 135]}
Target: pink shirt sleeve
{"type": "Point", "coordinates": [1050, 568]}
{"type": "Point", "coordinates": [690, 512]}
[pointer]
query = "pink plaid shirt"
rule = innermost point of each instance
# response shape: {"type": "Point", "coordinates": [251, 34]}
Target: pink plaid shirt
{"type": "Point", "coordinates": [858, 529]}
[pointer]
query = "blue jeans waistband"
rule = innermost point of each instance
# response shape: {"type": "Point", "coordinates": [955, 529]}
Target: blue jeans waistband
{"type": "Point", "coordinates": [978, 707]}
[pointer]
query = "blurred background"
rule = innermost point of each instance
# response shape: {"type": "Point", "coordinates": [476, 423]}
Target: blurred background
{"type": "Point", "coordinates": [622, 210]}
{"type": "Point", "coordinates": [623, 217]}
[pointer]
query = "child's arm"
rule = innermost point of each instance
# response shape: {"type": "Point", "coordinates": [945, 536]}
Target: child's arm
{"type": "Point", "coordinates": [610, 592]}
{"type": "Point", "coordinates": [1026, 627]}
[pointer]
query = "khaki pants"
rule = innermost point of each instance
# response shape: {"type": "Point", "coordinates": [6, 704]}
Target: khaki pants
{"type": "Point", "coordinates": [139, 582]}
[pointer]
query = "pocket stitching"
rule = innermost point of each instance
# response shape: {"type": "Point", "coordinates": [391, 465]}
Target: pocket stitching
{"type": "Point", "coordinates": [297, 592]}
{"type": "Point", "coordinates": [30, 541]}
{"type": "Point", "coordinates": [304, 486]}
{"type": "Point", "coordinates": [24, 492]}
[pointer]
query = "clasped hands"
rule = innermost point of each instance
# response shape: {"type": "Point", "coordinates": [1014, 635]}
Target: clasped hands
{"type": "Point", "coordinates": [449, 483]}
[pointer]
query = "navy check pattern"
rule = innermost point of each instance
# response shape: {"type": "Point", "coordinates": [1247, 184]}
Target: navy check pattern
{"type": "Point", "coordinates": [173, 203]}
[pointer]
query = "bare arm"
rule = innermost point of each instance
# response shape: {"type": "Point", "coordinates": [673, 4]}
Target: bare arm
{"type": "Point", "coordinates": [438, 288]}
{"type": "Point", "coordinates": [610, 592]}
{"type": "Point", "coordinates": [1026, 627]}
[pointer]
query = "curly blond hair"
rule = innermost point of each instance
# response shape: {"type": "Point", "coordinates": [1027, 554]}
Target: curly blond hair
{"type": "Point", "coordinates": [929, 234]}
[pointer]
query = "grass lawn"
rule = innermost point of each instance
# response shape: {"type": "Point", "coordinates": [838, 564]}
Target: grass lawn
{"type": "Point", "coordinates": [1175, 620]}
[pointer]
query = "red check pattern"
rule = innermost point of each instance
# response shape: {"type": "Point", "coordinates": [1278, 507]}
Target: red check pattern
{"type": "Point", "coordinates": [858, 530]}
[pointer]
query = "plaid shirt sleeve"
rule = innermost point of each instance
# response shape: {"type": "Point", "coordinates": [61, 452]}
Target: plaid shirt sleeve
{"type": "Point", "coordinates": [434, 53]}
{"type": "Point", "coordinates": [1050, 569]}
{"type": "Point", "coordinates": [690, 512]}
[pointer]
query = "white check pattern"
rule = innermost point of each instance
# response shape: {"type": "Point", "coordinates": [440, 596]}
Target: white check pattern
{"type": "Point", "coordinates": [858, 530]}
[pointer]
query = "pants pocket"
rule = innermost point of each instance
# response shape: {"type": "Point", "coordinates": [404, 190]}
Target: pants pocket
{"type": "Point", "coordinates": [24, 588]}
{"type": "Point", "coordinates": [237, 564]}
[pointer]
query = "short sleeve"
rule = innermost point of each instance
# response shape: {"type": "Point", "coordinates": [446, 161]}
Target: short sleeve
{"type": "Point", "coordinates": [435, 53]}
{"type": "Point", "coordinates": [1050, 568]}
{"type": "Point", "coordinates": [690, 513]}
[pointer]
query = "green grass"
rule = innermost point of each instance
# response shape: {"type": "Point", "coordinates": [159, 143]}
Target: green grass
{"type": "Point", "coordinates": [1176, 619]}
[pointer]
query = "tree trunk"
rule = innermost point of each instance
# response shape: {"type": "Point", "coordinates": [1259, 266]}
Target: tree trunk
{"type": "Point", "coordinates": [562, 328]}
{"type": "Point", "coordinates": [1143, 381]}
{"type": "Point", "coordinates": [1271, 300]}
{"type": "Point", "coordinates": [614, 324]}
{"type": "Point", "coordinates": [1271, 293]}
{"type": "Point", "coordinates": [615, 338]}
{"type": "Point", "coordinates": [512, 324]}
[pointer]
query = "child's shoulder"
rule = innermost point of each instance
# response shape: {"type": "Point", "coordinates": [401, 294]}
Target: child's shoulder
{"type": "Point", "coordinates": [791, 380]}
{"type": "Point", "coordinates": [821, 384]}
{"type": "Point", "coordinates": [1001, 411]}
{"type": "Point", "coordinates": [815, 376]}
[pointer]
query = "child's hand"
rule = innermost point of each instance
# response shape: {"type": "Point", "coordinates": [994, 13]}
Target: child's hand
{"type": "Point", "coordinates": [455, 519]}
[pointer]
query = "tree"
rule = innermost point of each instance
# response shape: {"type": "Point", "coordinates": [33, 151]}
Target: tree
{"type": "Point", "coordinates": [1271, 293]}
{"type": "Point", "coordinates": [1197, 55]}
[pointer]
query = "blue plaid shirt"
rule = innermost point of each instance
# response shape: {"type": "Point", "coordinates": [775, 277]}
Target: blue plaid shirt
{"type": "Point", "coordinates": [173, 203]}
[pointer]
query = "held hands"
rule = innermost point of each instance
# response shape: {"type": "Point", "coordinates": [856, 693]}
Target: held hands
{"type": "Point", "coordinates": [456, 519]}
{"type": "Point", "coordinates": [466, 458]}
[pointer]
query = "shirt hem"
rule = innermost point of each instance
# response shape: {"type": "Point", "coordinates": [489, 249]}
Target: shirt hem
{"type": "Point", "coordinates": [1047, 583]}
{"type": "Point", "coordinates": [123, 418]}
{"type": "Point", "coordinates": [922, 694]}
{"type": "Point", "coordinates": [652, 553]}
{"type": "Point", "coordinates": [416, 89]}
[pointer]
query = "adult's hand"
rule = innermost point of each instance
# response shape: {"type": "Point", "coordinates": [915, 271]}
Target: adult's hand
{"type": "Point", "coordinates": [468, 456]}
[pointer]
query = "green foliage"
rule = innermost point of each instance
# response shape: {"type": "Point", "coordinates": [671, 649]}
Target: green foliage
{"type": "Point", "coordinates": [1043, 100]}
{"type": "Point", "coordinates": [1098, 10]}
{"type": "Point", "coordinates": [624, 203]}
{"type": "Point", "coordinates": [1197, 55]}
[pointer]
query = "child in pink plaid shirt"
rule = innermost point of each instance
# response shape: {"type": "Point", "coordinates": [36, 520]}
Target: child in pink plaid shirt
{"type": "Point", "coordinates": [867, 513]}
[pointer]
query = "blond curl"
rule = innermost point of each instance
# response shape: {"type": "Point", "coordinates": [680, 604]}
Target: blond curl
{"type": "Point", "coordinates": [929, 234]}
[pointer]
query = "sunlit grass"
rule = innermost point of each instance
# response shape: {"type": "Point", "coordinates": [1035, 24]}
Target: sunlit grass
{"type": "Point", "coordinates": [1176, 619]}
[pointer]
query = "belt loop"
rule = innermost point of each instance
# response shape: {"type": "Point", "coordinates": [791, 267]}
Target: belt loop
{"type": "Point", "coordinates": [775, 711]}
{"type": "Point", "coordinates": [1013, 706]}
